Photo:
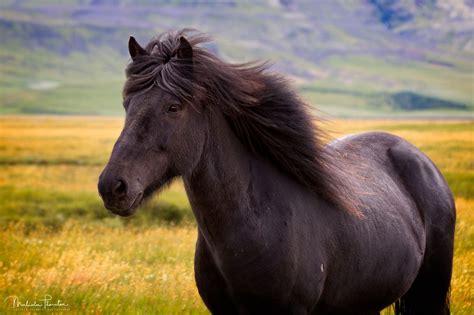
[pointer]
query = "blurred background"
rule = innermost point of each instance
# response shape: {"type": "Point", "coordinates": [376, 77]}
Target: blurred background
{"type": "Point", "coordinates": [402, 66]}
{"type": "Point", "coordinates": [351, 58]}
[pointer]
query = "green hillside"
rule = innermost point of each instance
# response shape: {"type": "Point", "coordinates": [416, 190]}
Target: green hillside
{"type": "Point", "coordinates": [348, 57]}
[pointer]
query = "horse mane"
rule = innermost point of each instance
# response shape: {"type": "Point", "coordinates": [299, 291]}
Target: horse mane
{"type": "Point", "coordinates": [262, 109]}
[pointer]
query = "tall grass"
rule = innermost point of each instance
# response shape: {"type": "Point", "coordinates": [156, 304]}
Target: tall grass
{"type": "Point", "coordinates": [56, 238]}
{"type": "Point", "coordinates": [99, 269]}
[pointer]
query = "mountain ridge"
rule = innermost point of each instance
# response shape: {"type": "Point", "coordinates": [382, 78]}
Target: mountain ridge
{"type": "Point", "coordinates": [371, 48]}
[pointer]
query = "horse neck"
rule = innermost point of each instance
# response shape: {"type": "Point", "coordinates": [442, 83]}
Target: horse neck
{"type": "Point", "coordinates": [218, 187]}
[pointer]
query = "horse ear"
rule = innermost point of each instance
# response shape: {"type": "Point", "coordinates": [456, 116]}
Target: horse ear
{"type": "Point", "coordinates": [135, 49]}
{"type": "Point", "coordinates": [185, 50]}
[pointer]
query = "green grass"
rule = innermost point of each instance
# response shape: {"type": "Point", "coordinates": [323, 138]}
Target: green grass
{"type": "Point", "coordinates": [57, 238]}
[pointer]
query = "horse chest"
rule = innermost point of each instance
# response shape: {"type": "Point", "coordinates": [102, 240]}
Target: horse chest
{"type": "Point", "coordinates": [254, 263]}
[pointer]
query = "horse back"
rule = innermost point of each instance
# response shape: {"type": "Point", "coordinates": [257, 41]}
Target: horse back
{"type": "Point", "coordinates": [408, 167]}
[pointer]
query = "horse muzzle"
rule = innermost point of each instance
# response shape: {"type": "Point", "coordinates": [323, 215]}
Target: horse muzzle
{"type": "Point", "coordinates": [120, 196]}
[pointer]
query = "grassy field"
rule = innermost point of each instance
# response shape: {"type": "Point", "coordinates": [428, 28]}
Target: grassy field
{"type": "Point", "coordinates": [57, 239]}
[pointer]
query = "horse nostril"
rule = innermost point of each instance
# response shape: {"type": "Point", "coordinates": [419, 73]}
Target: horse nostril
{"type": "Point", "coordinates": [120, 188]}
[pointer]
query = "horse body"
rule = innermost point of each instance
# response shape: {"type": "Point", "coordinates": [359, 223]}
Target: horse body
{"type": "Point", "coordinates": [286, 225]}
{"type": "Point", "coordinates": [269, 245]}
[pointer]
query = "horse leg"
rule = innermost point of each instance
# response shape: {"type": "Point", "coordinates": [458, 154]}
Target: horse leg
{"type": "Point", "coordinates": [429, 294]}
{"type": "Point", "coordinates": [211, 286]}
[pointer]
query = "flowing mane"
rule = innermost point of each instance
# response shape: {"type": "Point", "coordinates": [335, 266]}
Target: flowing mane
{"type": "Point", "coordinates": [264, 112]}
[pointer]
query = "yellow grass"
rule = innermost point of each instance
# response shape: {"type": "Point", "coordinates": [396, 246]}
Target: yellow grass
{"type": "Point", "coordinates": [103, 266]}
{"type": "Point", "coordinates": [102, 269]}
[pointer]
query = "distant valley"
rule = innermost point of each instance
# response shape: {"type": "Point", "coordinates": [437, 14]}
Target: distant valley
{"type": "Point", "coordinates": [349, 58]}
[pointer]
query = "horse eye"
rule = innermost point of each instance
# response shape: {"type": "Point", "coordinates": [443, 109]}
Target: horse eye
{"type": "Point", "coordinates": [173, 109]}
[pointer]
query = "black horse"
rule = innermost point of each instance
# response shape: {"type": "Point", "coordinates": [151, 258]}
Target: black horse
{"type": "Point", "coordinates": [286, 225]}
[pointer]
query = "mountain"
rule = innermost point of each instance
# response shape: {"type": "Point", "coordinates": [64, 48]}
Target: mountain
{"type": "Point", "coordinates": [348, 57]}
